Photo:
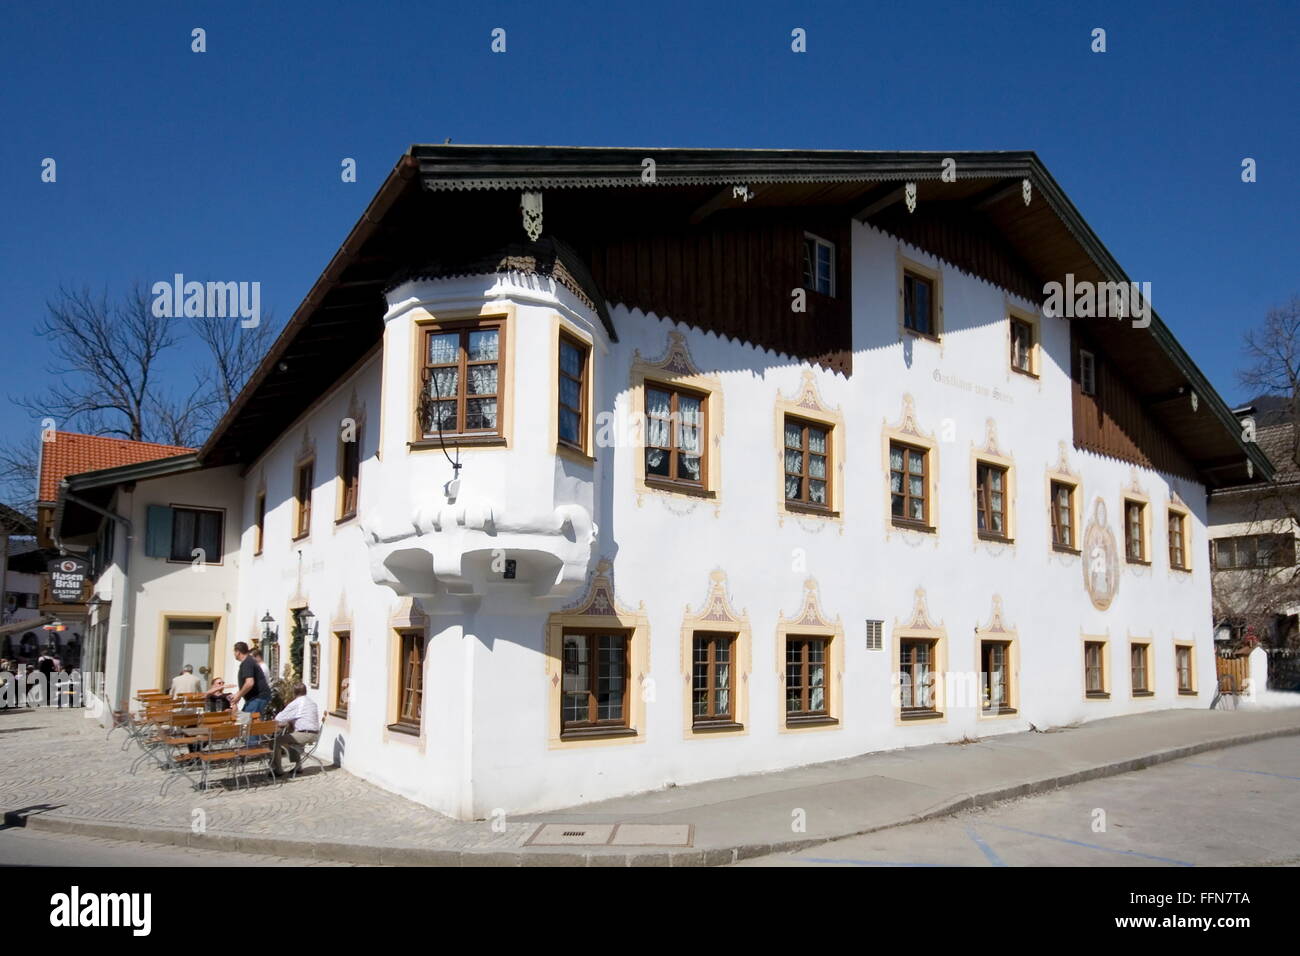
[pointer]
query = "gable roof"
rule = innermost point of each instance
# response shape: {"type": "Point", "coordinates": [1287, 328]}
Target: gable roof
{"type": "Point", "coordinates": [70, 453]}
{"type": "Point", "coordinates": [595, 192]}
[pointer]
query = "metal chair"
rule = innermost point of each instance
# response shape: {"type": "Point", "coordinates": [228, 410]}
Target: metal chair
{"type": "Point", "coordinates": [255, 752]}
{"type": "Point", "coordinates": [309, 752]}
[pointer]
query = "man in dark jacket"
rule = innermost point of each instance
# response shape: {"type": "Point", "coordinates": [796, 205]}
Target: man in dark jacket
{"type": "Point", "coordinates": [251, 686]}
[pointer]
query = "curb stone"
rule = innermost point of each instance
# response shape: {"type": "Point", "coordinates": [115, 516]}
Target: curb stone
{"type": "Point", "coordinates": [676, 857]}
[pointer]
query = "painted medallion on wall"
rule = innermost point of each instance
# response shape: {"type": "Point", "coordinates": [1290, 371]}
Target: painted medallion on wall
{"type": "Point", "coordinates": [1101, 559]}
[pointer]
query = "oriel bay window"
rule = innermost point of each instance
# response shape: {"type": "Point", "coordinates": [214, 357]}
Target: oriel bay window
{"type": "Point", "coordinates": [806, 660]}
{"type": "Point", "coordinates": [573, 393]}
{"type": "Point", "coordinates": [595, 682]}
{"type": "Point", "coordinates": [460, 380]}
{"type": "Point", "coordinates": [676, 435]}
{"type": "Point", "coordinates": [908, 485]}
{"type": "Point", "coordinates": [990, 500]}
{"type": "Point", "coordinates": [807, 463]}
{"type": "Point", "coordinates": [712, 679]}
{"type": "Point", "coordinates": [916, 669]}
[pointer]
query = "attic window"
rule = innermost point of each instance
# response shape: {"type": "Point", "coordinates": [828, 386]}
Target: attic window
{"type": "Point", "coordinates": [818, 264]}
{"type": "Point", "coordinates": [1087, 372]}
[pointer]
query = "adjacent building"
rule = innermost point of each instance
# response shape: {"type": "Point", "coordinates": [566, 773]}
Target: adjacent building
{"type": "Point", "coordinates": [581, 472]}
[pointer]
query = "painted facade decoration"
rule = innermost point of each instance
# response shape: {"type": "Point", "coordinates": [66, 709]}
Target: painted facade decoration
{"type": "Point", "coordinates": [1101, 564]}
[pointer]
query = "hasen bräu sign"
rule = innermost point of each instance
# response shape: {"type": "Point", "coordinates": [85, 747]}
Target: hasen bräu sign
{"type": "Point", "coordinates": [67, 578]}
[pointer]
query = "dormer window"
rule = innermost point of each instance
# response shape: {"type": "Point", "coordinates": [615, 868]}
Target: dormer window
{"type": "Point", "coordinates": [818, 264]}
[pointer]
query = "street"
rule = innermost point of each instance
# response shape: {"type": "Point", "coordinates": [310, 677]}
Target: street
{"type": "Point", "coordinates": [1233, 807]}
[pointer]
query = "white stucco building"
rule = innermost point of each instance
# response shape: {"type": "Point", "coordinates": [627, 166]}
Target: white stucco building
{"type": "Point", "coordinates": [593, 483]}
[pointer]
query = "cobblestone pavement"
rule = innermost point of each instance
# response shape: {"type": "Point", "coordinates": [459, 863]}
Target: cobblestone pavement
{"type": "Point", "coordinates": [50, 758]}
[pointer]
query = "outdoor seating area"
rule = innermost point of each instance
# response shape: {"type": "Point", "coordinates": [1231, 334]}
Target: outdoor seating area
{"type": "Point", "coordinates": [181, 737]}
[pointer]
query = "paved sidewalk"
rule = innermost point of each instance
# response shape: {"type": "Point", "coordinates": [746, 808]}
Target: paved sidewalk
{"type": "Point", "coordinates": [55, 775]}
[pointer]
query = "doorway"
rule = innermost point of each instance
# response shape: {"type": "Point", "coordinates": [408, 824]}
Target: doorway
{"type": "Point", "coordinates": [189, 642]}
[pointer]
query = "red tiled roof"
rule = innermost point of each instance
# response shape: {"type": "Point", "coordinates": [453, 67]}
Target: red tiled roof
{"type": "Point", "coordinates": [71, 454]}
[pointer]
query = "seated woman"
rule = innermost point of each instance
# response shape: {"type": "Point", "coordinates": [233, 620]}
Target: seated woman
{"type": "Point", "coordinates": [218, 698]}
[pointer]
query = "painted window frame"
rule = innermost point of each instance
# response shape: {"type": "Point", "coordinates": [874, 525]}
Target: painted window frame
{"type": "Point", "coordinates": [934, 277]}
{"type": "Point", "coordinates": [1188, 648]}
{"type": "Point", "coordinates": [676, 369]}
{"type": "Point", "coordinates": [906, 659]}
{"type": "Point", "coordinates": [342, 673]}
{"type": "Point", "coordinates": [424, 323]}
{"type": "Point", "coordinates": [908, 449]}
{"type": "Point", "coordinates": [407, 639]}
{"type": "Point", "coordinates": [984, 499]}
{"type": "Point", "coordinates": [302, 497]}
{"type": "Point", "coordinates": [1148, 673]}
{"type": "Point", "coordinates": [595, 726]}
{"type": "Point", "coordinates": [1176, 517]}
{"type": "Point", "coordinates": [817, 243]}
{"type": "Point", "coordinates": [1103, 645]}
{"type": "Point", "coordinates": [807, 406]}
{"type": "Point", "coordinates": [712, 640]}
{"type": "Point", "coordinates": [671, 482]}
{"type": "Point", "coordinates": [599, 609]}
{"type": "Point", "coordinates": [343, 511]}
{"type": "Point", "coordinates": [582, 447]}
{"type": "Point", "coordinates": [1054, 517]}
{"type": "Point", "coordinates": [716, 616]}
{"type": "Point", "coordinates": [463, 329]}
{"type": "Point", "coordinates": [1143, 540]}
{"type": "Point", "coordinates": [1028, 321]}
{"type": "Point", "coordinates": [805, 450]}
{"type": "Point", "coordinates": [1011, 689]}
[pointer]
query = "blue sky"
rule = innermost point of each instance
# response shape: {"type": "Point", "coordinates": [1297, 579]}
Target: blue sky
{"type": "Point", "coordinates": [225, 165]}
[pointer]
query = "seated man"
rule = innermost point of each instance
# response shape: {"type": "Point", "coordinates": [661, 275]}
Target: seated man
{"type": "Point", "coordinates": [301, 723]}
{"type": "Point", "coordinates": [185, 682]}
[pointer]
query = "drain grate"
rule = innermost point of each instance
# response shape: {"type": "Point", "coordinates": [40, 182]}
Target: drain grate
{"type": "Point", "coordinates": [612, 834]}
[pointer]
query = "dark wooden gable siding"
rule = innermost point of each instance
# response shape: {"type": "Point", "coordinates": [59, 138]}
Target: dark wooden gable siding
{"type": "Point", "coordinates": [966, 240]}
{"type": "Point", "coordinates": [1114, 422]}
{"type": "Point", "coordinates": [734, 275]}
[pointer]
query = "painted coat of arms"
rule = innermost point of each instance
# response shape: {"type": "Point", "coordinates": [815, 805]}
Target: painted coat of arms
{"type": "Point", "coordinates": [1100, 559]}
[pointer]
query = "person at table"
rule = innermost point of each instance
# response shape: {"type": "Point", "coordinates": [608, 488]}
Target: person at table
{"type": "Point", "coordinates": [301, 723]}
{"type": "Point", "coordinates": [253, 688]}
{"type": "Point", "coordinates": [185, 682]}
{"type": "Point", "coordinates": [218, 698]}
